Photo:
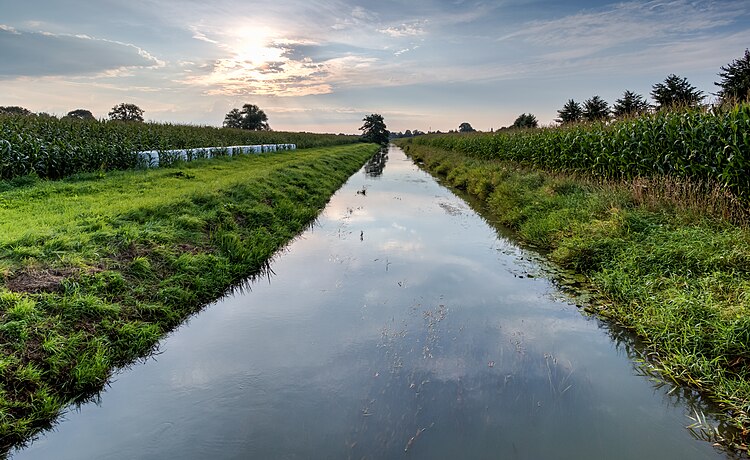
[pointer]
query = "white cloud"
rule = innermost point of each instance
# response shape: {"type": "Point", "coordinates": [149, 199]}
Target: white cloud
{"type": "Point", "coordinates": [412, 29]}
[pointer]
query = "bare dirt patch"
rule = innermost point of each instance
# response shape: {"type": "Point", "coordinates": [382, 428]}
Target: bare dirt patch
{"type": "Point", "coordinates": [38, 281]}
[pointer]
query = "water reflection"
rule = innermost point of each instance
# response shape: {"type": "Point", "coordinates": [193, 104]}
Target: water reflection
{"type": "Point", "coordinates": [397, 326]}
{"type": "Point", "coordinates": [376, 164]}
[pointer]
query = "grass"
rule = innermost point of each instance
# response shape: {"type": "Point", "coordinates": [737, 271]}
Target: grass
{"type": "Point", "coordinates": [676, 276]}
{"type": "Point", "coordinates": [95, 269]}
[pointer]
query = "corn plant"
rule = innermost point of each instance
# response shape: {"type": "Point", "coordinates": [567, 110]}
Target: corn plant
{"type": "Point", "coordinates": [696, 144]}
{"type": "Point", "coordinates": [53, 148]}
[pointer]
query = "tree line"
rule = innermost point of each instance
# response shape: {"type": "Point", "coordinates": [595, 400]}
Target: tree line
{"type": "Point", "coordinates": [249, 117]}
{"type": "Point", "coordinates": [674, 92]}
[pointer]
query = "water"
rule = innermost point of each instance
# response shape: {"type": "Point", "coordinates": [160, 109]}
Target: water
{"type": "Point", "coordinates": [400, 326]}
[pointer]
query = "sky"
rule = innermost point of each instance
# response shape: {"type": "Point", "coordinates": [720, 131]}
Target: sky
{"type": "Point", "coordinates": [321, 66]}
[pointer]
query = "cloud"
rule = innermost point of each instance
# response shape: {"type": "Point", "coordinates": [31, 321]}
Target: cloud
{"type": "Point", "coordinates": [412, 29]}
{"type": "Point", "coordinates": [40, 54]}
{"type": "Point", "coordinates": [591, 31]}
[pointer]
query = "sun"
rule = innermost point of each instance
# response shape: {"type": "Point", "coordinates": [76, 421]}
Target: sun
{"type": "Point", "coordinates": [256, 45]}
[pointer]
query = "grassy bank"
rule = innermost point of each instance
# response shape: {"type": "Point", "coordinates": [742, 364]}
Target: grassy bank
{"type": "Point", "coordinates": [676, 276]}
{"type": "Point", "coordinates": [94, 269]}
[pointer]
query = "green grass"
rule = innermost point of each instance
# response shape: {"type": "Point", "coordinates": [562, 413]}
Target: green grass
{"type": "Point", "coordinates": [677, 277]}
{"type": "Point", "coordinates": [94, 269]}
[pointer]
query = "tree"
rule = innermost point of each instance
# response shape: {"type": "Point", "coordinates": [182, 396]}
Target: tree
{"type": "Point", "coordinates": [676, 92]}
{"type": "Point", "coordinates": [735, 83]}
{"type": "Point", "coordinates": [595, 109]}
{"type": "Point", "coordinates": [126, 112]}
{"type": "Point", "coordinates": [465, 128]}
{"type": "Point", "coordinates": [526, 120]}
{"type": "Point", "coordinates": [374, 129]}
{"type": "Point", "coordinates": [251, 117]}
{"type": "Point", "coordinates": [233, 119]}
{"type": "Point", "coordinates": [570, 113]}
{"type": "Point", "coordinates": [14, 110]}
{"type": "Point", "coordinates": [80, 114]}
{"type": "Point", "coordinates": [630, 104]}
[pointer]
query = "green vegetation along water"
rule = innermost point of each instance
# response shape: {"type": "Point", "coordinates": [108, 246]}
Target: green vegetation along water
{"type": "Point", "coordinates": [399, 326]}
{"type": "Point", "coordinates": [711, 146]}
{"type": "Point", "coordinates": [54, 148]}
{"type": "Point", "coordinates": [675, 276]}
{"type": "Point", "coordinates": [95, 269]}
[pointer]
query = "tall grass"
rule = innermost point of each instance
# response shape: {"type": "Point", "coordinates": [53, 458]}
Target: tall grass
{"type": "Point", "coordinates": [712, 146]}
{"type": "Point", "coordinates": [54, 148]}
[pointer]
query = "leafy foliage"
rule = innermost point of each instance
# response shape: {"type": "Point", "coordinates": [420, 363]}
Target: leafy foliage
{"type": "Point", "coordinates": [570, 113]}
{"type": "Point", "coordinates": [233, 119]}
{"type": "Point", "coordinates": [735, 80]}
{"type": "Point", "coordinates": [676, 92]}
{"type": "Point", "coordinates": [526, 120]}
{"type": "Point", "coordinates": [250, 117]}
{"type": "Point", "coordinates": [126, 112]}
{"type": "Point", "coordinates": [465, 128]}
{"type": "Point", "coordinates": [14, 110]}
{"type": "Point", "coordinates": [374, 129]}
{"type": "Point", "coordinates": [629, 105]}
{"type": "Point", "coordinates": [595, 109]}
{"type": "Point", "coordinates": [81, 114]}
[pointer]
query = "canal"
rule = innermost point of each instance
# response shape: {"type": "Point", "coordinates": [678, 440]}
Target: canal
{"type": "Point", "coordinates": [401, 325]}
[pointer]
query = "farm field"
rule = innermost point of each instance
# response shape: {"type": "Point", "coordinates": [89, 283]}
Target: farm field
{"type": "Point", "coordinates": [704, 146]}
{"type": "Point", "coordinates": [96, 268]}
{"type": "Point", "coordinates": [58, 147]}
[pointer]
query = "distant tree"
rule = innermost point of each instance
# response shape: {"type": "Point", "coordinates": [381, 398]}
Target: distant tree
{"type": "Point", "coordinates": [526, 120]}
{"type": "Point", "coordinates": [254, 119]}
{"type": "Point", "coordinates": [676, 92]}
{"type": "Point", "coordinates": [465, 128]}
{"type": "Point", "coordinates": [630, 104]}
{"type": "Point", "coordinates": [408, 133]}
{"type": "Point", "coordinates": [80, 114]}
{"type": "Point", "coordinates": [595, 109]}
{"type": "Point", "coordinates": [374, 129]}
{"type": "Point", "coordinates": [735, 80]}
{"type": "Point", "coordinates": [233, 119]}
{"type": "Point", "coordinates": [570, 113]}
{"type": "Point", "coordinates": [14, 110]}
{"type": "Point", "coordinates": [126, 112]}
{"type": "Point", "coordinates": [250, 117]}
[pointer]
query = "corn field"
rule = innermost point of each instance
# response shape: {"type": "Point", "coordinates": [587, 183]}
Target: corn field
{"type": "Point", "coordinates": [54, 148]}
{"type": "Point", "coordinates": [711, 146]}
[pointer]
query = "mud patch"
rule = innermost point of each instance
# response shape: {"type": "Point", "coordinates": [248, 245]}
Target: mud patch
{"type": "Point", "coordinates": [38, 281]}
